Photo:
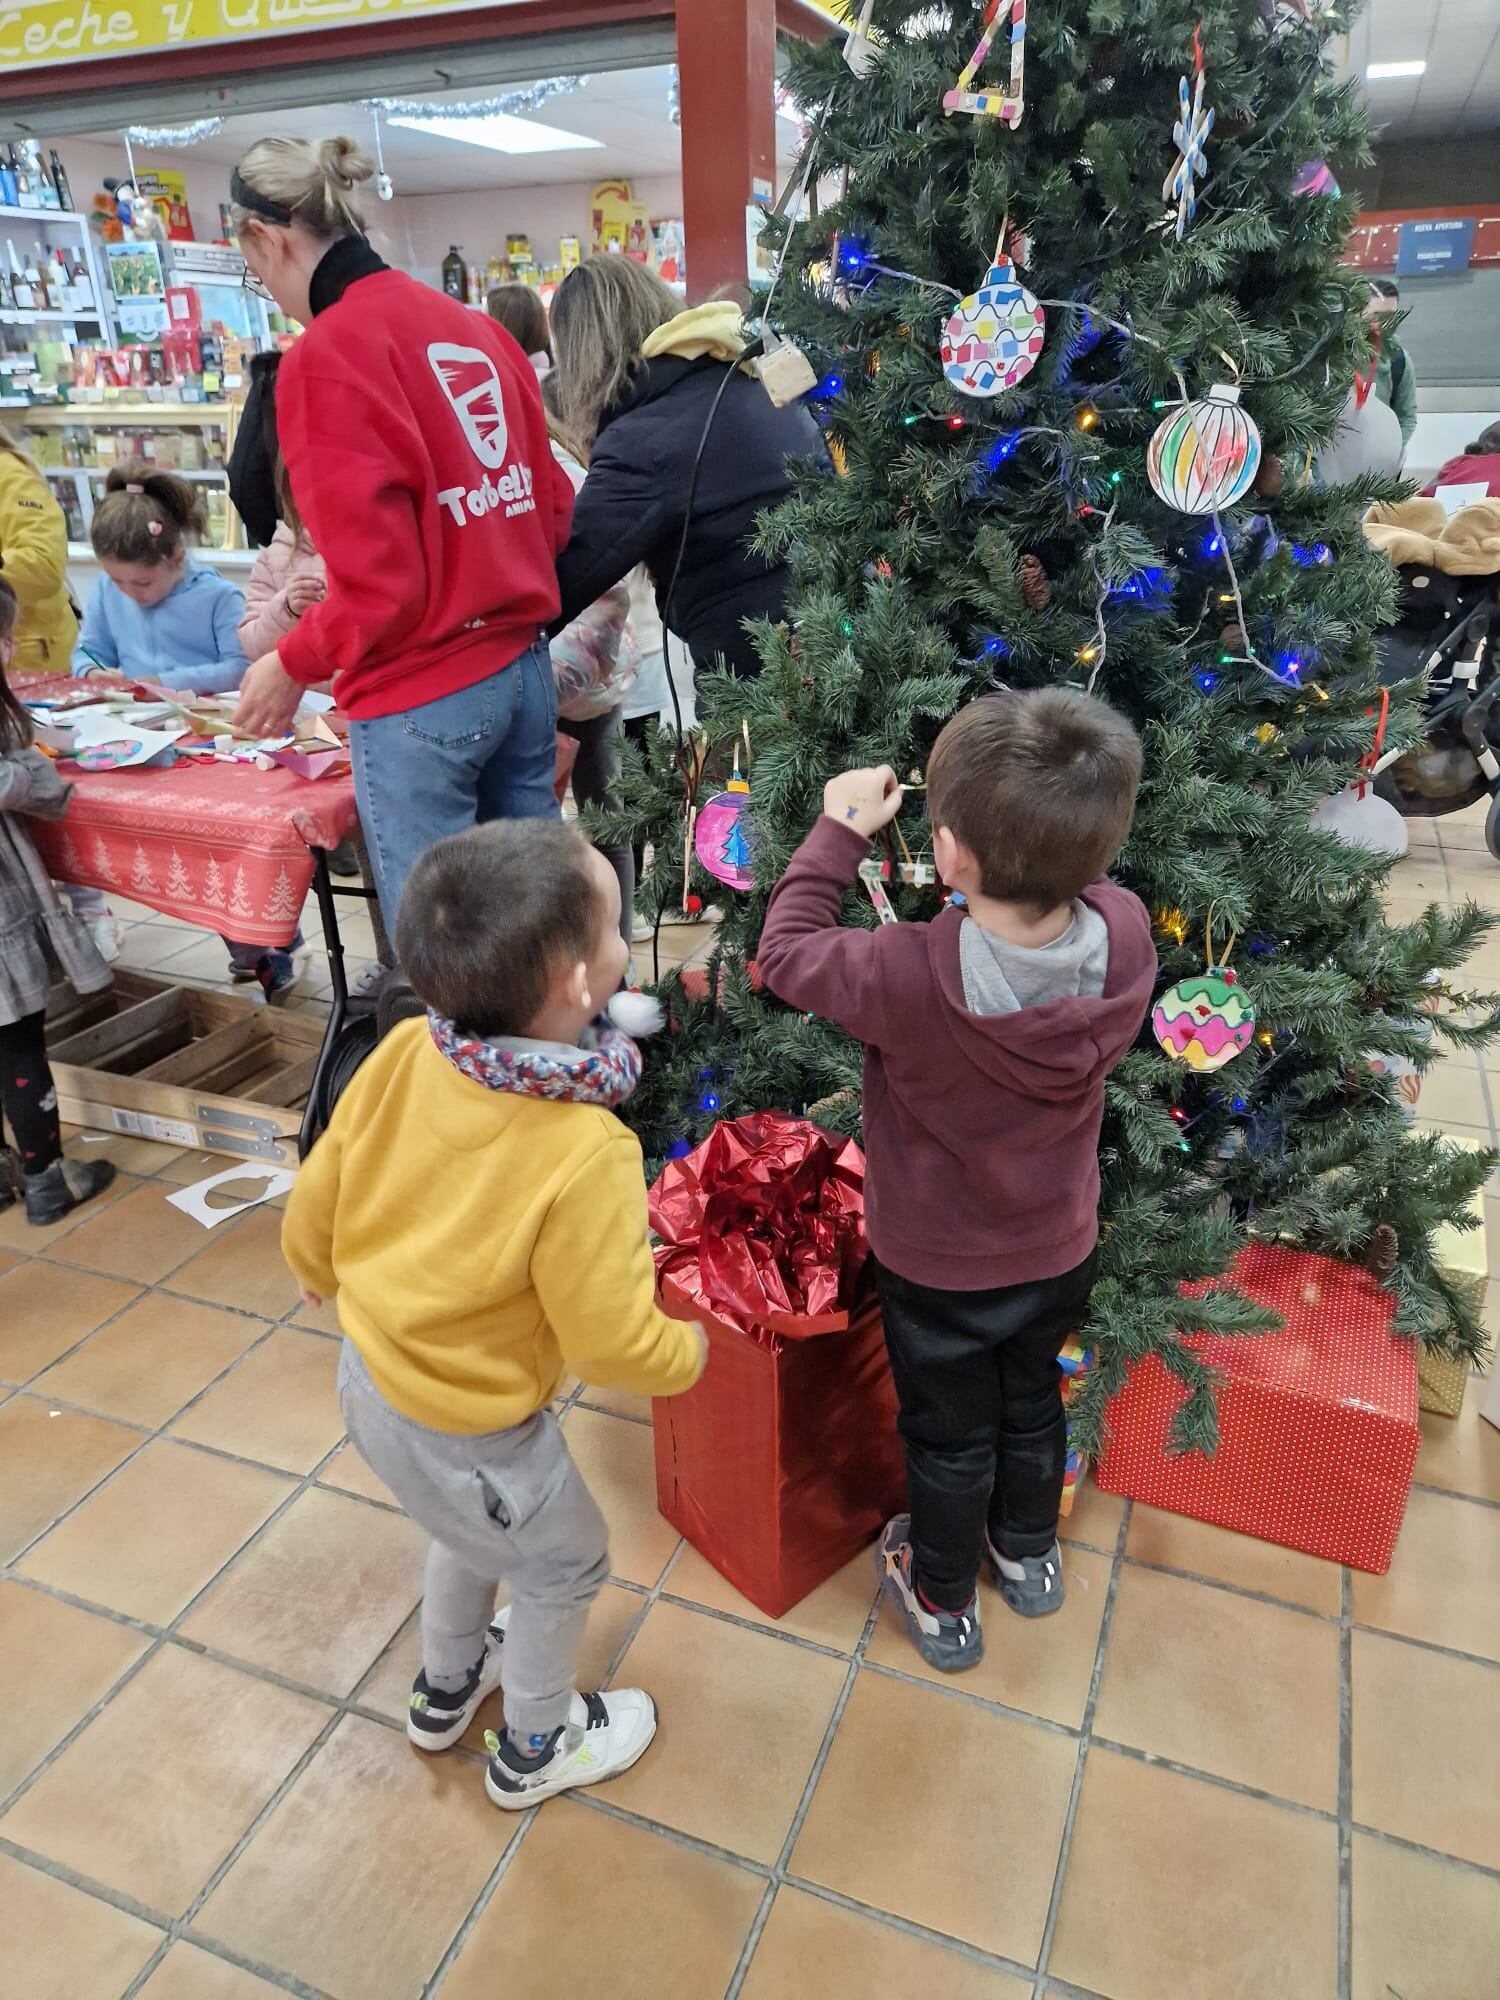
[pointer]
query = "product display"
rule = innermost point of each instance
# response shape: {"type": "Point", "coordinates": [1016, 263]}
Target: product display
{"type": "Point", "coordinates": [1204, 454]}
{"type": "Point", "coordinates": [992, 339]}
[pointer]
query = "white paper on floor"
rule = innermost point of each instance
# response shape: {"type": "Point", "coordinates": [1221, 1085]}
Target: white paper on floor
{"type": "Point", "coordinates": [225, 1195]}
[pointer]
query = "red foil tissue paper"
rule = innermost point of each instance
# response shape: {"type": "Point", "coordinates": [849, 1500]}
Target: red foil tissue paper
{"type": "Point", "coordinates": [783, 1461]}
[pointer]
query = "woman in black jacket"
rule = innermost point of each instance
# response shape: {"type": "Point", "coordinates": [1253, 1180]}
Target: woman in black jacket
{"type": "Point", "coordinates": [638, 379]}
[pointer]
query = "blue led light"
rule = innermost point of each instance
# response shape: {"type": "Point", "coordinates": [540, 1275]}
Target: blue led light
{"type": "Point", "coordinates": [1288, 666]}
{"type": "Point", "coordinates": [1001, 450]}
{"type": "Point", "coordinates": [679, 1149]}
{"type": "Point", "coordinates": [829, 386]}
{"type": "Point", "coordinates": [996, 646]}
{"type": "Point", "coordinates": [1208, 682]}
{"type": "Point", "coordinates": [1322, 553]}
{"type": "Point", "coordinates": [709, 1101]}
{"type": "Point", "coordinates": [1302, 557]}
{"type": "Point", "coordinates": [1214, 546]}
{"type": "Point", "coordinates": [1240, 1104]}
{"type": "Point", "coordinates": [853, 255]}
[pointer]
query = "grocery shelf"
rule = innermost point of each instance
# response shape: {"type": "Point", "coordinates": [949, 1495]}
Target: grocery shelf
{"type": "Point", "coordinates": [10, 213]}
{"type": "Point", "coordinates": [205, 474]}
{"type": "Point", "coordinates": [129, 413]}
{"type": "Point", "coordinates": [12, 316]}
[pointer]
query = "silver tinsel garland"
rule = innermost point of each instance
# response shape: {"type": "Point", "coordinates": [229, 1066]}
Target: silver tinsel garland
{"type": "Point", "coordinates": [174, 135]}
{"type": "Point", "coordinates": [514, 102]}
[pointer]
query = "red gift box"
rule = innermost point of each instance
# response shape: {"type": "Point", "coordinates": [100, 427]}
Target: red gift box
{"type": "Point", "coordinates": [783, 1461]}
{"type": "Point", "coordinates": [1317, 1423]}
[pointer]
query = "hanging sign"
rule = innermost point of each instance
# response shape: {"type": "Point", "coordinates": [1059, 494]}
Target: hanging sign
{"type": "Point", "coordinates": [1429, 249]}
{"type": "Point", "coordinates": [35, 34]}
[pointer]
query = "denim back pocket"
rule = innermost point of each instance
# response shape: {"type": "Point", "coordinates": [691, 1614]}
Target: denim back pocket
{"type": "Point", "coordinates": [456, 719]}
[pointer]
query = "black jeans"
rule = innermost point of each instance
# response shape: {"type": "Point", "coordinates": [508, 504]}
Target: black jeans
{"type": "Point", "coordinates": [981, 1418]}
{"type": "Point", "coordinates": [27, 1093]}
{"type": "Point", "coordinates": [596, 780]}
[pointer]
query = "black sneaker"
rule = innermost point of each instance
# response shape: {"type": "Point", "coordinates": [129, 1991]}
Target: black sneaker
{"type": "Point", "coordinates": [950, 1641]}
{"type": "Point", "coordinates": [604, 1735]}
{"type": "Point", "coordinates": [62, 1187]}
{"type": "Point", "coordinates": [1031, 1585]}
{"type": "Point", "coordinates": [436, 1721]}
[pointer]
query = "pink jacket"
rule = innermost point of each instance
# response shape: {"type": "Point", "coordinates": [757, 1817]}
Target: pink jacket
{"type": "Point", "coordinates": [267, 617]}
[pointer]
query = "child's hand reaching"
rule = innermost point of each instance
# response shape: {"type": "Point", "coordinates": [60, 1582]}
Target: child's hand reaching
{"type": "Point", "coordinates": [311, 1299]}
{"type": "Point", "coordinates": [865, 800]}
{"type": "Point", "coordinates": [303, 592]}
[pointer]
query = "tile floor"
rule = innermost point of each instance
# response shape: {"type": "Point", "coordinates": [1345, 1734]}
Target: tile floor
{"type": "Point", "coordinates": [1225, 1772]}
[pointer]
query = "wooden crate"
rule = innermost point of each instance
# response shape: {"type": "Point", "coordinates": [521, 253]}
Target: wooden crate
{"type": "Point", "coordinates": [188, 1067]}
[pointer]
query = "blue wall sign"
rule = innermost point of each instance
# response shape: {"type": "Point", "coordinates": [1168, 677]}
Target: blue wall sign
{"type": "Point", "coordinates": [1428, 249]}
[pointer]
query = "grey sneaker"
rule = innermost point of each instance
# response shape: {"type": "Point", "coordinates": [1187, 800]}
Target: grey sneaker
{"type": "Point", "coordinates": [950, 1641]}
{"type": "Point", "coordinates": [604, 1735]}
{"type": "Point", "coordinates": [1032, 1585]}
{"type": "Point", "coordinates": [63, 1186]}
{"type": "Point", "coordinates": [436, 1721]}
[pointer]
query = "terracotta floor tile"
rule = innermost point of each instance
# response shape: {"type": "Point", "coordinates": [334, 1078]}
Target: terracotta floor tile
{"type": "Point", "coordinates": [1095, 1518]}
{"type": "Point", "coordinates": [1427, 1748]}
{"type": "Point", "coordinates": [47, 1463]}
{"type": "Point", "coordinates": [348, 1472]}
{"type": "Point", "coordinates": [813, 1947]}
{"type": "Point", "coordinates": [148, 1541]}
{"type": "Point", "coordinates": [138, 1237]}
{"type": "Point", "coordinates": [8, 1261]}
{"type": "Point", "coordinates": [189, 1167]}
{"type": "Point", "coordinates": [190, 1750]}
{"type": "Point", "coordinates": [1041, 1665]}
{"type": "Point", "coordinates": [664, 1920]}
{"type": "Point", "coordinates": [1244, 1690]}
{"type": "Point", "coordinates": [832, 1615]}
{"type": "Point", "coordinates": [280, 1405]}
{"type": "Point", "coordinates": [151, 1360]}
{"type": "Point", "coordinates": [242, 1266]}
{"type": "Point", "coordinates": [58, 1944]}
{"type": "Point", "coordinates": [321, 1593]}
{"type": "Point", "coordinates": [186, 1973]}
{"type": "Point", "coordinates": [427, 1840]}
{"type": "Point", "coordinates": [1173, 1541]}
{"type": "Point", "coordinates": [1424, 1929]}
{"type": "Point", "coordinates": [720, 1690]}
{"type": "Point", "coordinates": [616, 1401]}
{"type": "Point", "coordinates": [132, 1156]}
{"type": "Point", "coordinates": [1176, 1887]}
{"type": "Point", "coordinates": [942, 1812]}
{"type": "Point", "coordinates": [16, 1233]}
{"type": "Point", "coordinates": [1461, 1454]}
{"type": "Point", "coordinates": [319, 1319]}
{"type": "Point", "coordinates": [44, 1311]}
{"type": "Point", "coordinates": [613, 1613]}
{"type": "Point", "coordinates": [147, 947]}
{"type": "Point", "coordinates": [1443, 1584]}
{"type": "Point", "coordinates": [619, 1465]}
{"type": "Point", "coordinates": [55, 1663]}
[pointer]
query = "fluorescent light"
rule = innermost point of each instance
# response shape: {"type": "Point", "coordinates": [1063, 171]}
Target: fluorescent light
{"type": "Point", "coordinates": [500, 133]}
{"type": "Point", "coordinates": [1383, 72]}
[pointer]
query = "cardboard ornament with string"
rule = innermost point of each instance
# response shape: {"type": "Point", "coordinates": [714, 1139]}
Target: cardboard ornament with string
{"type": "Point", "coordinates": [1357, 815]}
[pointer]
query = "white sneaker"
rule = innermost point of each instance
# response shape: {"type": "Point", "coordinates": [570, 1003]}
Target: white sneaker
{"type": "Point", "coordinates": [642, 930]}
{"type": "Point", "coordinates": [107, 935]}
{"type": "Point", "coordinates": [605, 1734]}
{"type": "Point", "coordinates": [436, 1721]}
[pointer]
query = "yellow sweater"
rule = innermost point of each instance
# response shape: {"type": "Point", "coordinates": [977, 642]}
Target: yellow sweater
{"type": "Point", "coordinates": [34, 562]}
{"type": "Point", "coordinates": [479, 1241]}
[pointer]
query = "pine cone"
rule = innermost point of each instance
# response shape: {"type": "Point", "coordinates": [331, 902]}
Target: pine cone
{"type": "Point", "coordinates": [1271, 477]}
{"type": "Point", "coordinates": [1383, 1250]}
{"type": "Point", "coordinates": [1036, 585]}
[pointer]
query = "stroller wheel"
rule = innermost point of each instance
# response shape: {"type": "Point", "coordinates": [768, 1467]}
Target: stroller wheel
{"type": "Point", "coordinates": [1492, 827]}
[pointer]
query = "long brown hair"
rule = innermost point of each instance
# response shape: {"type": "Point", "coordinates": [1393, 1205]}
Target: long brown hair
{"type": "Point", "coordinates": [145, 515]}
{"type": "Point", "coordinates": [520, 311]}
{"type": "Point", "coordinates": [13, 447]}
{"type": "Point", "coordinates": [16, 732]}
{"type": "Point", "coordinates": [601, 318]}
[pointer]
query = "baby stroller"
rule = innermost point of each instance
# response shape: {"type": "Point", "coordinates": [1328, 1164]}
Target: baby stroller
{"type": "Point", "coordinates": [1448, 633]}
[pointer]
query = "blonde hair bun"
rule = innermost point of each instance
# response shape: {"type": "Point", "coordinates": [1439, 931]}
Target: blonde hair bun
{"type": "Point", "coordinates": [345, 163]}
{"type": "Point", "coordinates": [309, 179]}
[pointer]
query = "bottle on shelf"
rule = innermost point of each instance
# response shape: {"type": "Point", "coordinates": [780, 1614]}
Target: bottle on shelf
{"type": "Point", "coordinates": [60, 181]}
{"type": "Point", "coordinates": [80, 285]}
{"type": "Point", "coordinates": [8, 193]}
{"type": "Point", "coordinates": [20, 288]}
{"type": "Point", "coordinates": [26, 194]}
{"type": "Point", "coordinates": [46, 186]}
{"type": "Point", "coordinates": [37, 284]}
{"type": "Point", "coordinates": [453, 273]}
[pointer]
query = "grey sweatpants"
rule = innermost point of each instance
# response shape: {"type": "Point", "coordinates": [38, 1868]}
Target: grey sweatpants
{"type": "Point", "coordinates": [506, 1506]}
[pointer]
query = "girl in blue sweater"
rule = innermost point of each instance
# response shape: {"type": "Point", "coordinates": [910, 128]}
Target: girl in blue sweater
{"type": "Point", "coordinates": [157, 615]}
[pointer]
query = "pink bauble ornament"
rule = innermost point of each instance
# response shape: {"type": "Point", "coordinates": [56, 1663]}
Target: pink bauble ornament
{"type": "Point", "coordinates": [721, 837]}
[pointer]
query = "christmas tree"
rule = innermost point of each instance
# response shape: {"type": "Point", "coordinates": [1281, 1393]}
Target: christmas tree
{"type": "Point", "coordinates": [974, 540]}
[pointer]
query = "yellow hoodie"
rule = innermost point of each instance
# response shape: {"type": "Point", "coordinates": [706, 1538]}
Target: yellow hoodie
{"type": "Point", "coordinates": [34, 562]}
{"type": "Point", "coordinates": [479, 1242]}
{"type": "Point", "coordinates": [717, 328]}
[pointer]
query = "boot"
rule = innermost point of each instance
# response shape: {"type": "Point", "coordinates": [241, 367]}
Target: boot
{"type": "Point", "coordinates": [10, 1177]}
{"type": "Point", "coordinates": [66, 1183]}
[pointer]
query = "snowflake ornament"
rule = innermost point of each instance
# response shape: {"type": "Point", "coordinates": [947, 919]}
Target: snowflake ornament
{"type": "Point", "coordinates": [1191, 130]}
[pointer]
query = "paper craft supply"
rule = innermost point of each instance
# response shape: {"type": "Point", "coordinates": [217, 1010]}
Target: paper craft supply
{"type": "Point", "coordinates": [251, 1186]}
{"type": "Point", "coordinates": [1451, 498]}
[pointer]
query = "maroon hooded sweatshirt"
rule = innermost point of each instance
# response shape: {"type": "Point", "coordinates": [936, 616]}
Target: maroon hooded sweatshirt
{"type": "Point", "coordinates": [981, 1130]}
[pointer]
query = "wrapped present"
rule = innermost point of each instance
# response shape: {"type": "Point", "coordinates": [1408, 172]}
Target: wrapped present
{"type": "Point", "coordinates": [1317, 1423]}
{"type": "Point", "coordinates": [1441, 1381]}
{"type": "Point", "coordinates": [783, 1462]}
{"type": "Point", "coordinates": [1075, 1360]}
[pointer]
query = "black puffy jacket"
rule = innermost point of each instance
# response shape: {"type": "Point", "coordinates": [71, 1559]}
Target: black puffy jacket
{"type": "Point", "coordinates": [631, 506]}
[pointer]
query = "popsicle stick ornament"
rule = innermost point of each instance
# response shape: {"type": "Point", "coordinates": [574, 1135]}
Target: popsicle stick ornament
{"type": "Point", "coordinates": [1190, 133]}
{"type": "Point", "coordinates": [1008, 104]}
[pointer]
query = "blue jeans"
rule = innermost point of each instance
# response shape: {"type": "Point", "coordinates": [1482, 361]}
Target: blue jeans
{"type": "Point", "coordinates": [487, 752]}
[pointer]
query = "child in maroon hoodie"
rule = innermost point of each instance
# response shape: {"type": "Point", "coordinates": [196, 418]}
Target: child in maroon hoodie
{"type": "Point", "coordinates": [988, 1035]}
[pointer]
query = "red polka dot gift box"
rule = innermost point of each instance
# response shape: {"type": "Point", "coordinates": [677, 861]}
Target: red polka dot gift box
{"type": "Point", "coordinates": [1317, 1423]}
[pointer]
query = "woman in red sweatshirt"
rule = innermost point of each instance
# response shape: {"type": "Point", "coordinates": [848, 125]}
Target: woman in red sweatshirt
{"type": "Point", "coordinates": [416, 445]}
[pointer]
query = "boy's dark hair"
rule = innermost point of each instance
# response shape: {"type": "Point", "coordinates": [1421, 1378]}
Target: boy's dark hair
{"type": "Point", "coordinates": [15, 723]}
{"type": "Point", "coordinates": [1040, 787]}
{"type": "Point", "coordinates": [489, 917]}
{"type": "Point", "coordinates": [145, 515]}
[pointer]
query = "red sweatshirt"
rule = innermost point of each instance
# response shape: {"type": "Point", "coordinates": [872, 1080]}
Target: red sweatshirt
{"type": "Point", "coordinates": [981, 1130]}
{"type": "Point", "coordinates": [414, 432]}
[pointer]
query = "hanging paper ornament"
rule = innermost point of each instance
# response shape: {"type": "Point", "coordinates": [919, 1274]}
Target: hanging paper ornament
{"type": "Point", "coordinates": [1008, 104]}
{"type": "Point", "coordinates": [1204, 1021]}
{"type": "Point", "coordinates": [721, 837]}
{"type": "Point", "coordinates": [993, 337]}
{"type": "Point", "coordinates": [1204, 455]}
{"type": "Point", "coordinates": [1190, 133]}
{"type": "Point", "coordinates": [1313, 177]}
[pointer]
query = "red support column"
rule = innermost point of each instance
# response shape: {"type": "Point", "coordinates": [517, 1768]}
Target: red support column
{"type": "Point", "coordinates": [726, 56]}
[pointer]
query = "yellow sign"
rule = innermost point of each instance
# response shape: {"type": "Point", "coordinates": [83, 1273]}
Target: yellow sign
{"type": "Point", "coordinates": [36, 33]}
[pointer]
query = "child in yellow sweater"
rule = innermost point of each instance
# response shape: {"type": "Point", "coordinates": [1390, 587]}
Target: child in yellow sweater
{"type": "Point", "coordinates": [481, 1214]}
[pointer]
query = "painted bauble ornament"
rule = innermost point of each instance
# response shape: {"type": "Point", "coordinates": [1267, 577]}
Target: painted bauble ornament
{"type": "Point", "coordinates": [1361, 819]}
{"type": "Point", "coordinates": [721, 837]}
{"type": "Point", "coordinates": [992, 338]}
{"type": "Point", "coordinates": [1205, 1020]}
{"type": "Point", "coordinates": [1204, 455]}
